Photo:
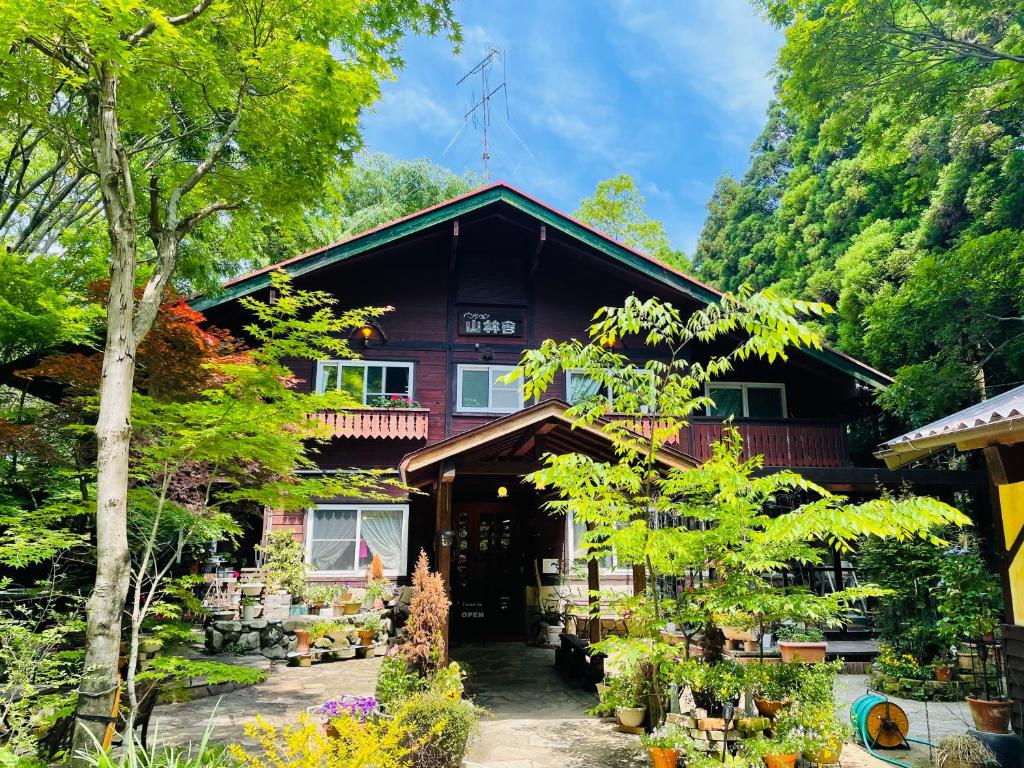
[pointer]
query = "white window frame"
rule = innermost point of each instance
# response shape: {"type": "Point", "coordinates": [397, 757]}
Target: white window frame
{"type": "Point", "coordinates": [570, 540]}
{"type": "Point", "coordinates": [462, 368]}
{"type": "Point", "coordinates": [743, 386]}
{"type": "Point", "coordinates": [364, 364]}
{"type": "Point", "coordinates": [403, 563]}
{"type": "Point", "coordinates": [608, 393]}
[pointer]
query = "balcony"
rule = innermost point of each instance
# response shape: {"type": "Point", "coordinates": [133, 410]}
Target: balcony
{"type": "Point", "coordinates": [377, 423]}
{"type": "Point", "coordinates": [782, 442]}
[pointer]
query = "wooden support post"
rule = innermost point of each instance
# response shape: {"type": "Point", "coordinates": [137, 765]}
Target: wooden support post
{"type": "Point", "coordinates": [443, 523]}
{"type": "Point", "coordinates": [593, 600]}
{"type": "Point", "coordinates": [639, 579]}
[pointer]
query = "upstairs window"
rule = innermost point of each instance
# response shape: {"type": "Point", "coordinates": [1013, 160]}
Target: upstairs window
{"type": "Point", "coordinates": [580, 386]}
{"type": "Point", "coordinates": [369, 382]}
{"type": "Point", "coordinates": [479, 391]}
{"type": "Point", "coordinates": [747, 401]}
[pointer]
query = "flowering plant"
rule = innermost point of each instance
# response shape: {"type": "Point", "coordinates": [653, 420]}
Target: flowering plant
{"type": "Point", "coordinates": [391, 401]}
{"type": "Point", "coordinates": [359, 707]}
{"type": "Point", "coordinates": [895, 664]}
{"type": "Point", "coordinates": [821, 727]}
{"type": "Point", "coordinates": [668, 737]}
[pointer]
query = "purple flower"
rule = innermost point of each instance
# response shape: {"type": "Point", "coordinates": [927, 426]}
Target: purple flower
{"type": "Point", "coordinates": [358, 707]}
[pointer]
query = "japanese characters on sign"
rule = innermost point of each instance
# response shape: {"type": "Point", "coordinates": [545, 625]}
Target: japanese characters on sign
{"type": "Point", "coordinates": [485, 322]}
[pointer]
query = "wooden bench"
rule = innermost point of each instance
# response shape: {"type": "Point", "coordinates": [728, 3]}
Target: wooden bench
{"type": "Point", "coordinates": [576, 660]}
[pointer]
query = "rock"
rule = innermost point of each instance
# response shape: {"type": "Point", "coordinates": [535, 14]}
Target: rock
{"type": "Point", "coordinates": [753, 723]}
{"type": "Point", "coordinates": [682, 720]}
{"type": "Point", "coordinates": [323, 642]}
{"type": "Point", "coordinates": [275, 652]}
{"type": "Point", "coordinates": [228, 626]}
{"type": "Point", "coordinates": [698, 714]}
{"type": "Point", "coordinates": [273, 635]}
{"type": "Point", "coordinates": [338, 636]}
{"type": "Point", "coordinates": [723, 735]}
{"type": "Point", "coordinates": [713, 724]}
{"type": "Point", "coordinates": [248, 641]}
{"type": "Point", "coordinates": [257, 624]}
{"type": "Point", "coordinates": [348, 652]}
{"type": "Point", "coordinates": [214, 640]}
{"type": "Point", "coordinates": [292, 643]}
{"type": "Point", "coordinates": [698, 734]}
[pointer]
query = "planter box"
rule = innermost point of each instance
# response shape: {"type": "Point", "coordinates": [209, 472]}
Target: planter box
{"type": "Point", "coordinates": [805, 653]}
{"type": "Point", "coordinates": [743, 635]}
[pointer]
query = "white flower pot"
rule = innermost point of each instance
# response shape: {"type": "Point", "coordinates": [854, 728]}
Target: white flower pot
{"type": "Point", "coordinates": [251, 589]}
{"type": "Point", "coordinates": [631, 717]}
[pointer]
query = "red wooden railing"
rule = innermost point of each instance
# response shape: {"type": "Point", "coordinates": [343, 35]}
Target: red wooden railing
{"type": "Point", "coordinates": [393, 423]}
{"type": "Point", "coordinates": [782, 442]}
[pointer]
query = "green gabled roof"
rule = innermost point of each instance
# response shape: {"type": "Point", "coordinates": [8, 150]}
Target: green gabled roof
{"type": "Point", "coordinates": [480, 198]}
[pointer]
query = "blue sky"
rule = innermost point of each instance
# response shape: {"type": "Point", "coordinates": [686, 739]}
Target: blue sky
{"type": "Point", "coordinates": [672, 93]}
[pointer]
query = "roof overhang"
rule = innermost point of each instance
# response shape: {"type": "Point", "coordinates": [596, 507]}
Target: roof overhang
{"type": "Point", "coordinates": [394, 231]}
{"type": "Point", "coordinates": [509, 438]}
{"type": "Point", "coordinates": [997, 421]}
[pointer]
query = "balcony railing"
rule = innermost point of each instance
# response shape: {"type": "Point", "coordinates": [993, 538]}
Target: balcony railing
{"type": "Point", "coordinates": [782, 442]}
{"type": "Point", "coordinates": [381, 423]}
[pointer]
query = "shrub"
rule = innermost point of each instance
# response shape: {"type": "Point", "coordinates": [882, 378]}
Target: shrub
{"type": "Point", "coordinates": [284, 565]}
{"type": "Point", "coordinates": [133, 755]}
{"type": "Point", "coordinates": [383, 743]}
{"type": "Point", "coordinates": [395, 682]}
{"type": "Point", "coordinates": [448, 724]}
{"type": "Point", "coordinates": [424, 646]}
{"type": "Point", "coordinates": [895, 664]}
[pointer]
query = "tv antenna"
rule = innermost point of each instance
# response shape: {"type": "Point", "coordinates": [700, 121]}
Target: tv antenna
{"type": "Point", "coordinates": [480, 112]}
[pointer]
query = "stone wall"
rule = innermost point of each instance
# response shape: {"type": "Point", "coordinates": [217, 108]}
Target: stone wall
{"type": "Point", "coordinates": [274, 639]}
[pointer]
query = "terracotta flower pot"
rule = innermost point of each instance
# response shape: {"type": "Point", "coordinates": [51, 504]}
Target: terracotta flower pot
{"type": "Point", "coordinates": [767, 707]}
{"type": "Point", "coordinates": [943, 673]}
{"type": "Point", "coordinates": [302, 641]}
{"type": "Point", "coordinates": [631, 717]}
{"type": "Point", "coordinates": [990, 716]}
{"type": "Point", "coordinates": [780, 761]}
{"type": "Point", "coordinates": [663, 757]}
{"type": "Point", "coordinates": [365, 636]}
{"type": "Point", "coordinates": [805, 653]}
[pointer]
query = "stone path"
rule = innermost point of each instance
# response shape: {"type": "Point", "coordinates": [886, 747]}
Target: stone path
{"type": "Point", "coordinates": [538, 720]}
{"type": "Point", "coordinates": [286, 693]}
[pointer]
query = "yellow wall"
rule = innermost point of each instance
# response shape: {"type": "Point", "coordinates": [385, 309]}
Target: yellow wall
{"type": "Point", "coordinates": [1011, 502]}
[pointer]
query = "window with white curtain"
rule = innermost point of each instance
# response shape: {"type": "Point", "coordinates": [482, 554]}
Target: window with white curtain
{"type": "Point", "coordinates": [342, 539]}
{"type": "Point", "coordinates": [580, 386]}
{"type": "Point", "coordinates": [575, 533]}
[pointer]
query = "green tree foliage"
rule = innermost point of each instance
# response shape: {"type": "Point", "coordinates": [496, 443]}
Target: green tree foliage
{"type": "Point", "coordinates": [711, 526]}
{"type": "Point", "coordinates": [617, 210]}
{"type": "Point", "coordinates": [887, 181]}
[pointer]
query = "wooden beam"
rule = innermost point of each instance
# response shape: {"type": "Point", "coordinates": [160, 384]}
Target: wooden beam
{"type": "Point", "coordinates": [593, 600]}
{"type": "Point", "coordinates": [498, 467]}
{"type": "Point", "coordinates": [455, 245]}
{"type": "Point", "coordinates": [443, 522]}
{"type": "Point", "coordinates": [1005, 463]}
{"type": "Point", "coordinates": [541, 241]}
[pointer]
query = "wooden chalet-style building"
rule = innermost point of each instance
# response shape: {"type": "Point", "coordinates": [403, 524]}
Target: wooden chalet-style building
{"type": "Point", "coordinates": [473, 282]}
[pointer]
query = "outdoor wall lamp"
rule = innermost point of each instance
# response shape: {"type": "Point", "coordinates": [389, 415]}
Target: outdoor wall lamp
{"type": "Point", "coordinates": [728, 711]}
{"type": "Point", "coordinates": [502, 492]}
{"type": "Point", "coordinates": [371, 332]}
{"type": "Point", "coordinates": [447, 537]}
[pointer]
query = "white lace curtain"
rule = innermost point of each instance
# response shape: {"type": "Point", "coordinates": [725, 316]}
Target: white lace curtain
{"type": "Point", "coordinates": [382, 532]}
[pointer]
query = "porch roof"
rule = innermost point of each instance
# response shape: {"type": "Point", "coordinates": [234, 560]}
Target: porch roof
{"type": "Point", "coordinates": [509, 445]}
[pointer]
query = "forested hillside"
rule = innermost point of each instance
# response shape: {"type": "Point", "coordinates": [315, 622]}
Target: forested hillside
{"type": "Point", "coordinates": [889, 182]}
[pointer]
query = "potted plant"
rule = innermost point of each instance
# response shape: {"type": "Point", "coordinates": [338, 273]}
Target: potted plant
{"type": "Point", "coordinates": [803, 644]}
{"type": "Point", "coordinates": [249, 606]}
{"type": "Point", "coordinates": [373, 596]}
{"type": "Point", "coordinates": [627, 694]}
{"type": "Point", "coordinates": [665, 745]}
{"type": "Point", "coordinates": [942, 670]}
{"type": "Point", "coordinates": [824, 731]}
{"type": "Point", "coordinates": [772, 685]}
{"type": "Point", "coordinates": [284, 564]}
{"type": "Point", "coordinates": [149, 645]}
{"type": "Point", "coordinates": [254, 588]}
{"type": "Point", "coordinates": [780, 751]}
{"type": "Point", "coordinates": [968, 600]}
{"type": "Point", "coordinates": [371, 626]}
{"type": "Point", "coordinates": [319, 596]}
{"type": "Point", "coordinates": [339, 596]}
{"type": "Point", "coordinates": [963, 751]}
{"type": "Point", "coordinates": [693, 674]}
{"type": "Point", "coordinates": [724, 681]}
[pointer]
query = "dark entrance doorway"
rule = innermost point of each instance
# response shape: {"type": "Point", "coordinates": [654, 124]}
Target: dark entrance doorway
{"type": "Point", "coordinates": [488, 572]}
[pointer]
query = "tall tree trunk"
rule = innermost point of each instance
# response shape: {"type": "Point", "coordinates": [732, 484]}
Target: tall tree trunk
{"type": "Point", "coordinates": [113, 428]}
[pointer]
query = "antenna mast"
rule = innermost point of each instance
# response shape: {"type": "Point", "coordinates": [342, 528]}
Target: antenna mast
{"type": "Point", "coordinates": [481, 110]}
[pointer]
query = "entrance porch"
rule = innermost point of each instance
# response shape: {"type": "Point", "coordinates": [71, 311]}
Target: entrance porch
{"type": "Point", "coordinates": [499, 551]}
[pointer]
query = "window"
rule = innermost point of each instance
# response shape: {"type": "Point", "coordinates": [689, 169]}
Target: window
{"type": "Point", "coordinates": [343, 539]}
{"type": "Point", "coordinates": [575, 530]}
{"type": "Point", "coordinates": [479, 391]}
{"type": "Point", "coordinates": [366, 381]}
{"type": "Point", "coordinates": [580, 386]}
{"type": "Point", "coordinates": [749, 401]}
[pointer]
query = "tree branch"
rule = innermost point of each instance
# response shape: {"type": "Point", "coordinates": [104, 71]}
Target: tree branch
{"type": "Point", "coordinates": [174, 21]}
{"type": "Point", "coordinates": [183, 228]}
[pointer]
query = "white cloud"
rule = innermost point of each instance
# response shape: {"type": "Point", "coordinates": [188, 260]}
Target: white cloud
{"type": "Point", "coordinates": [411, 106]}
{"type": "Point", "coordinates": [722, 48]}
